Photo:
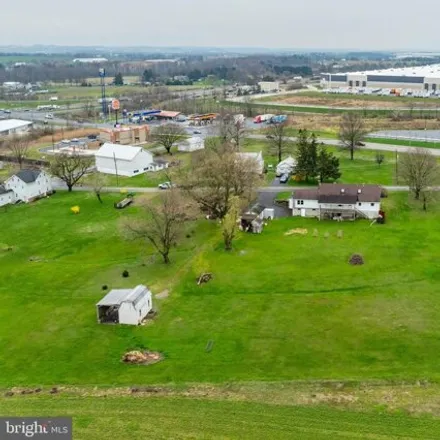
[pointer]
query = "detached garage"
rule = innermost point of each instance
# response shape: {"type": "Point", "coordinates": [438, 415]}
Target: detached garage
{"type": "Point", "coordinates": [125, 306]}
{"type": "Point", "coordinates": [123, 160]}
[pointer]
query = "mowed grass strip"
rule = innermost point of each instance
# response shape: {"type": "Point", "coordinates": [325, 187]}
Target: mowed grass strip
{"type": "Point", "coordinates": [132, 418]}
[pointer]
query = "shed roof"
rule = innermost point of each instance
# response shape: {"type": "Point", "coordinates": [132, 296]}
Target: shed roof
{"type": "Point", "coordinates": [118, 296]}
{"type": "Point", "coordinates": [28, 176]}
{"type": "Point", "coordinates": [122, 152]}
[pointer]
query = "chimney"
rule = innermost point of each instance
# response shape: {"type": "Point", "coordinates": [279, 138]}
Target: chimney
{"type": "Point", "coordinates": [359, 191]}
{"type": "Point", "coordinates": [342, 190]}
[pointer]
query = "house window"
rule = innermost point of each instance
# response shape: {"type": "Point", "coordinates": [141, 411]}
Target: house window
{"type": "Point", "coordinates": [300, 202]}
{"type": "Point", "coordinates": [359, 204]}
{"type": "Point", "coordinates": [145, 169]}
{"type": "Point", "coordinates": [340, 206]}
{"type": "Point", "coordinates": [135, 171]}
{"type": "Point", "coordinates": [371, 204]}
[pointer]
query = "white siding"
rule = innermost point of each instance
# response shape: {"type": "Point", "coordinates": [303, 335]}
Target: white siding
{"type": "Point", "coordinates": [141, 163]}
{"type": "Point", "coordinates": [7, 198]}
{"type": "Point", "coordinates": [133, 315]}
{"type": "Point", "coordinates": [26, 192]}
{"type": "Point", "coordinates": [371, 209]}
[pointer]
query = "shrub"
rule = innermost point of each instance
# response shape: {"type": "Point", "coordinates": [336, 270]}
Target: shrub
{"type": "Point", "coordinates": [125, 274]}
{"type": "Point", "coordinates": [104, 287]}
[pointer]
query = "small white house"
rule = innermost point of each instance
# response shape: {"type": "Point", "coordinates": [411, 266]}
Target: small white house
{"type": "Point", "coordinates": [123, 160]}
{"type": "Point", "coordinates": [255, 158]}
{"type": "Point", "coordinates": [191, 144]}
{"type": "Point", "coordinates": [337, 201]}
{"type": "Point", "coordinates": [28, 185]}
{"type": "Point", "coordinates": [159, 165]}
{"type": "Point", "coordinates": [125, 306]}
{"type": "Point", "coordinates": [286, 166]}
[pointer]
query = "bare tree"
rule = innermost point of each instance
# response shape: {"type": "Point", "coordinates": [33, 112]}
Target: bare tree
{"type": "Point", "coordinates": [98, 182]}
{"type": "Point", "coordinates": [18, 146]}
{"type": "Point", "coordinates": [218, 173]}
{"type": "Point", "coordinates": [70, 168]}
{"type": "Point", "coordinates": [419, 170]}
{"type": "Point", "coordinates": [232, 129]}
{"type": "Point", "coordinates": [279, 143]}
{"type": "Point", "coordinates": [229, 224]}
{"type": "Point", "coordinates": [163, 221]}
{"type": "Point", "coordinates": [351, 132]}
{"type": "Point", "coordinates": [168, 135]}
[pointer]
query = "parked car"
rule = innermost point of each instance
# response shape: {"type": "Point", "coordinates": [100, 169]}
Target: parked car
{"type": "Point", "coordinates": [48, 116]}
{"type": "Point", "coordinates": [7, 111]}
{"type": "Point", "coordinates": [284, 178]}
{"type": "Point", "coordinates": [360, 144]}
{"type": "Point", "coordinates": [166, 185]}
{"type": "Point", "coordinates": [269, 136]}
{"type": "Point", "coordinates": [197, 132]}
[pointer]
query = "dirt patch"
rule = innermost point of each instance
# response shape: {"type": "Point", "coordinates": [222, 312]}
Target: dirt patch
{"type": "Point", "coordinates": [299, 231]}
{"type": "Point", "coordinates": [164, 294]}
{"type": "Point", "coordinates": [142, 357]}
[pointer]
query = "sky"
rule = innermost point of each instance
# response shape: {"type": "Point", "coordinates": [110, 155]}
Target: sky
{"type": "Point", "coordinates": [308, 24]}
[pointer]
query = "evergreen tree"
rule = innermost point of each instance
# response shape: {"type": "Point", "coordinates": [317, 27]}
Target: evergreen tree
{"type": "Point", "coordinates": [307, 155]}
{"type": "Point", "coordinates": [119, 80]}
{"type": "Point", "coordinates": [328, 165]}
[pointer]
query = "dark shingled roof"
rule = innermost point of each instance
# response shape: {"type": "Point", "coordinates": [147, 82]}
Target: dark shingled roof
{"type": "Point", "coordinates": [340, 193]}
{"type": "Point", "coordinates": [253, 211]}
{"type": "Point", "coordinates": [3, 190]}
{"type": "Point", "coordinates": [28, 176]}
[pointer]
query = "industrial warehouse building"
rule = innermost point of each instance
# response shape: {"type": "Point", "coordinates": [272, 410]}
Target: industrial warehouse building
{"type": "Point", "coordinates": [14, 126]}
{"type": "Point", "coordinates": [424, 78]}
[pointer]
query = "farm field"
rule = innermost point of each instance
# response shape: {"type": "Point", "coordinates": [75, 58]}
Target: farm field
{"type": "Point", "coordinates": [131, 417]}
{"type": "Point", "coordinates": [354, 101]}
{"type": "Point", "coordinates": [377, 321]}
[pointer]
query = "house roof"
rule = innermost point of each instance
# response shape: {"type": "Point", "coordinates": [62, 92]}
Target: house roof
{"type": "Point", "coordinates": [122, 152]}
{"type": "Point", "coordinates": [12, 124]}
{"type": "Point", "coordinates": [160, 161]}
{"type": "Point", "coordinates": [28, 176]}
{"type": "Point", "coordinates": [253, 211]}
{"type": "Point", "coordinates": [256, 156]}
{"type": "Point", "coordinates": [118, 296]}
{"type": "Point", "coordinates": [3, 190]}
{"type": "Point", "coordinates": [340, 193]}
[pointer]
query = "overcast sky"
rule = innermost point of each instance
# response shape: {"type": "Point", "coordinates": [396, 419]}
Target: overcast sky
{"type": "Point", "coordinates": [372, 24]}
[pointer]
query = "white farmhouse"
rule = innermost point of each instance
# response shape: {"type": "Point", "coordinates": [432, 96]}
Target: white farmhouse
{"type": "Point", "coordinates": [254, 159]}
{"type": "Point", "coordinates": [28, 185]}
{"type": "Point", "coordinates": [123, 160]}
{"type": "Point", "coordinates": [337, 201]}
{"type": "Point", "coordinates": [125, 306]}
{"type": "Point", "coordinates": [14, 126]}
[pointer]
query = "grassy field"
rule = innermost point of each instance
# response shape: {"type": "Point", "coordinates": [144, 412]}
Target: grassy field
{"type": "Point", "coordinates": [375, 321]}
{"type": "Point", "coordinates": [132, 418]}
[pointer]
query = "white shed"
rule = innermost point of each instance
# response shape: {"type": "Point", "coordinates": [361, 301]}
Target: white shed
{"type": "Point", "coordinates": [123, 160]}
{"type": "Point", "coordinates": [286, 166]}
{"type": "Point", "coordinates": [28, 185]}
{"type": "Point", "coordinates": [191, 144]}
{"type": "Point", "coordinates": [256, 159]}
{"type": "Point", "coordinates": [125, 306]}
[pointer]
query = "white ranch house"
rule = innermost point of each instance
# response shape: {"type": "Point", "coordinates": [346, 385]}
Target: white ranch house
{"type": "Point", "coordinates": [124, 160]}
{"type": "Point", "coordinates": [25, 186]}
{"type": "Point", "coordinates": [125, 306]}
{"type": "Point", "coordinates": [337, 201]}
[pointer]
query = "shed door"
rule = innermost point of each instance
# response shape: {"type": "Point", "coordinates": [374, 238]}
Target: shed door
{"type": "Point", "coordinates": [303, 212]}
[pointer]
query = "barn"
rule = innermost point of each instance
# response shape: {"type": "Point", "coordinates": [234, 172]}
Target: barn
{"type": "Point", "coordinates": [125, 306]}
{"type": "Point", "coordinates": [123, 160]}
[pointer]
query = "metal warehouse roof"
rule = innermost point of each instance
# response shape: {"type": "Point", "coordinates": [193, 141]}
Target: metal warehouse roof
{"type": "Point", "coordinates": [431, 71]}
{"type": "Point", "coordinates": [12, 124]}
{"type": "Point", "coordinates": [124, 152]}
{"type": "Point", "coordinates": [118, 296]}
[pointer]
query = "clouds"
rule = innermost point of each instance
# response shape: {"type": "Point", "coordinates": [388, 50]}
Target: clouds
{"type": "Point", "coordinates": [317, 24]}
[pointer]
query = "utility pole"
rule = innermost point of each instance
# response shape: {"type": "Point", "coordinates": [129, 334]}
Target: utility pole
{"type": "Point", "coordinates": [103, 100]}
{"type": "Point", "coordinates": [397, 171]}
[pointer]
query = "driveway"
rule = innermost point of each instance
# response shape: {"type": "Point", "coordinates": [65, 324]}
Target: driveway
{"type": "Point", "coordinates": [267, 199]}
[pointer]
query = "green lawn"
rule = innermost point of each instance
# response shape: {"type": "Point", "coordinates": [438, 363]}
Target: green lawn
{"type": "Point", "coordinates": [278, 307]}
{"type": "Point", "coordinates": [404, 143]}
{"type": "Point", "coordinates": [132, 418]}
